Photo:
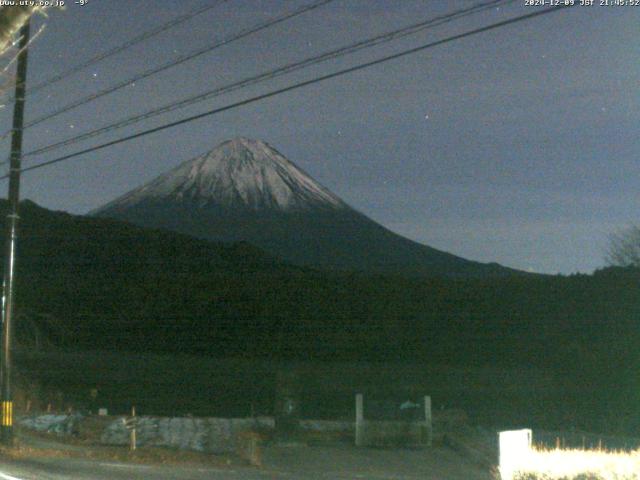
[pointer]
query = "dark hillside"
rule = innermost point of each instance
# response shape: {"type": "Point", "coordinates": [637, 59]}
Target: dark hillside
{"type": "Point", "coordinates": [90, 283]}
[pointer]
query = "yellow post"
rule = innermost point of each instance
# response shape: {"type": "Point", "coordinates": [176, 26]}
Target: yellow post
{"type": "Point", "coordinates": [7, 413]}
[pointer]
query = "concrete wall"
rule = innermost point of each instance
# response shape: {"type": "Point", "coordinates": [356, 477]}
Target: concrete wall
{"type": "Point", "coordinates": [215, 435]}
{"type": "Point", "coordinates": [327, 426]}
{"type": "Point", "coordinates": [380, 433]}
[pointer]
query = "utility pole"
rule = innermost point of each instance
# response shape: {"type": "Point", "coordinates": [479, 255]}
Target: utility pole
{"type": "Point", "coordinates": [6, 423]}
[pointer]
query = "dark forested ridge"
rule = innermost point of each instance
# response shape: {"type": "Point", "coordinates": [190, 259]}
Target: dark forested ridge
{"type": "Point", "coordinates": [110, 284]}
{"type": "Point", "coordinates": [91, 283]}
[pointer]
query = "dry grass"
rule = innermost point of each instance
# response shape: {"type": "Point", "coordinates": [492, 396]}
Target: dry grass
{"type": "Point", "coordinates": [144, 455]}
{"type": "Point", "coordinates": [557, 464]}
{"type": "Point", "coordinates": [30, 444]}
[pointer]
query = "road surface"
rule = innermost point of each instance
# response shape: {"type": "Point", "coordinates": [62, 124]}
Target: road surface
{"type": "Point", "coordinates": [290, 463]}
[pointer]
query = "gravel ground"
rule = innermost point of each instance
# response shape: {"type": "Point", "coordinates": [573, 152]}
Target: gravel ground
{"type": "Point", "coordinates": [47, 456]}
{"type": "Point", "coordinates": [347, 461]}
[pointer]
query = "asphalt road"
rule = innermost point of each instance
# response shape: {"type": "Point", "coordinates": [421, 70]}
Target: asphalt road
{"type": "Point", "coordinates": [280, 463]}
{"type": "Point", "coordinates": [58, 469]}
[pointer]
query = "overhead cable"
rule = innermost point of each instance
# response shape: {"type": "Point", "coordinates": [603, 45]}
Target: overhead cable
{"type": "Point", "coordinates": [271, 74]}
{"type": "Point", "coordinates": [299, 85]}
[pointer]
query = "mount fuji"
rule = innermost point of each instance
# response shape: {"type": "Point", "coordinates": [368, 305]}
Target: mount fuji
{"type": "Point", "coordinates": [245, 190]}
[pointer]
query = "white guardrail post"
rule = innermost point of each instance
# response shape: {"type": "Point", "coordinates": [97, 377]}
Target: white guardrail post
{"type": "Point", "coordinates": [428, 420]}
{"type": "Point", "coordinates": [359, 420]}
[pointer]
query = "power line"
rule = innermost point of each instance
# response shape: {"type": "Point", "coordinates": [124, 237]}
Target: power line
{"type": "Point", "coordinates": [298, 85]}
{"type": "Point", "coordinates": [124, 46]}
{"type": "Point", "coordinates": [352, 48]}
{"type": "Point", "coordinates": [179, 60]}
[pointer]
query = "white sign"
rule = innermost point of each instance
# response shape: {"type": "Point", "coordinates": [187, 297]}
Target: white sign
{"type": "Point", "coordinates": [515, 446]}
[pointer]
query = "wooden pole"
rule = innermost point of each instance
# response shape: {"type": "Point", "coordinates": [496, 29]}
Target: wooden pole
{"type": "Point", "coordinates": [133, 430]}
{"type": "Point", "coordinates": [15, 158]}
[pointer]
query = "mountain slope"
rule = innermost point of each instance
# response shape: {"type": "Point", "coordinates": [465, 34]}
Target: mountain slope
{"type": "Point", "coordinates": [92, 283]}
{"type": "Point", "coordinates": [244, 190]}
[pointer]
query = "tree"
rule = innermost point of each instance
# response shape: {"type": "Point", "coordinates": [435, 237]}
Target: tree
{"type": "Point", "coordinates": [624, 248]}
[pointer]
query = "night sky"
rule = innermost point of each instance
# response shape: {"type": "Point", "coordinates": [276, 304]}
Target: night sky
{"type": "Point", "coordinates": [518, 146]}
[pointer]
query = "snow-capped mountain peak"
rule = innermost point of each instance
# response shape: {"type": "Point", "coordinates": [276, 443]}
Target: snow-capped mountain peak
{"type": "Point", "coordinates": [244, 190]}
{"type": "Point", "coordinates": [241, 173]}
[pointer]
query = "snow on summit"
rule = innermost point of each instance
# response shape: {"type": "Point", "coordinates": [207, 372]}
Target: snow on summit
{"type": "Point", "coordinates": [239, 173]}
{"type": "Point", "coordinates": [245, 190]}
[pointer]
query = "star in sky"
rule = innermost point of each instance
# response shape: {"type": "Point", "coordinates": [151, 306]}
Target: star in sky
{"type": "Point", "coordinates": [476, 87]}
